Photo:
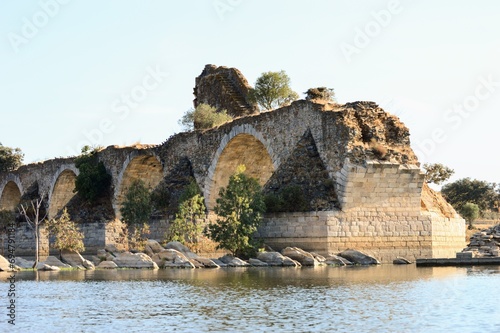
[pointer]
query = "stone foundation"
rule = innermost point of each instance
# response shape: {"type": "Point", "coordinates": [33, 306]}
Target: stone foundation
{"type": "Point", "coordinates": [384, 235]}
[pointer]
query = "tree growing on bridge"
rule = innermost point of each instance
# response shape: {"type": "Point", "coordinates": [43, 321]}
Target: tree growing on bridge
{"type": "Point", "coordinates": [240, 208]}
{"type": "Point", "coordinates": [204, 117]}
{"type": "Point", "coordinates": [10, 158]}
{"type": "Point", "coordinates": [35, 213]}
{"type": "Point", "coordinates": [136, 210]}
{"type": "Point", "coordinates": [437, 173]}
{"type": "Point", "coordinates": [272, 90]}
{"type": "Point", "coordinates": [93, 180]}
{"type": "Point", "coordinates": [67, 235]}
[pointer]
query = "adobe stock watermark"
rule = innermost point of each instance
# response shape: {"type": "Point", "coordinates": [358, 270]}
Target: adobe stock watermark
{"type": "Point", "coordinates": [39, 20]}
{"type": "Point", "coordinates": [363, 37]}
{"type": "Point", "coordinates": [456, 115]}
{"type": "Point", "coordinates": [222, 7]}
{"type": "Point", "coordinates": [121, 108]}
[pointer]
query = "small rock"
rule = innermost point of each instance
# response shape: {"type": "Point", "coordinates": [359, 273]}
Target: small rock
{"type": "Point", "coordinates": [44, 267]}
{"type": "Point", "coordinates": [173, 258]}
{"type": "Point", "coordinates": [276, 259]}
{"type": "Point", "coordinates": [23, 263]}
{"type": "Point", "coordinates": [219, 263]}
{"type": "Point", "coordinates": [53, 261]}
{"type": "Point", "coordinates": [358, 257]}
{"type": "Point", "coordinates": [297, 254]}
{"type": "Point", "coordinates": [207, 263]}
{"type": "Point", "coordinates": [106, 264]}
{"type": "Point", "coordinates": [154, 246]}
{"type": "Point", "coordinates": [237, 262]}
{"type": "Point", "coordinates": [5, 265]}
{"type": "Point", "coordinates": [334, 260]}
{"type": "Point", "coordinates": [72, 258]}
{"type": "Point", "coordinates": [111, 248]}
{"type": "Point", "coordinates": [134, 260]}
{"type": "Point", "coordinates": [401, 261]}
{"type": "Point", "coordinates": [226, 259]}
{"type": "Point", "coordinates": [257, 263]}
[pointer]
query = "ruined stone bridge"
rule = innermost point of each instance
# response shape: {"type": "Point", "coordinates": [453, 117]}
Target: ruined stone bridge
{"type": "Point", "coordinates": [355, 155]}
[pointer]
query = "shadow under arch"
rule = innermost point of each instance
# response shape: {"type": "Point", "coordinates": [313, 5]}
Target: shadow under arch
{"type": "Point", "coordinates": [10, 195]}
{"type": "Point", "coordinates": [62, 190]}
{"type": "Point", "coordinates": [147, 168]}
{"type": "Point", "coordinates": [243, 148]}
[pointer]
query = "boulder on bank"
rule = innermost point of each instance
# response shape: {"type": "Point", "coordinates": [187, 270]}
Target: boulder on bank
{"type": "Point", "coordinates": [334, 260]}
{"type": "Point", "coordinates": [72, 258]}
{"type": "Point", "coordinates": [152, 247]}
{"type": "Point", "coordinates": [297, 254]}
{"type": "Point", "coordinates": [53, 261]}
{"type": "Point", "coordinates": [134, 260]}
{"type": "Point", "coordinates": [358, 257]}
{"type": "Point", "coordinates": [106, 264]}
{"type": "Point", "coordinates": [24, 264]}
{"type": "Point", "coordinates": [44, 267]}
{"type": "Point", "coordinates": [485, 243]}
{"type": "Point", "coordinates": [5, 265]}
{"type": "Point", "coordinates": [401, 261]}
{"type": "Point", "coordinates": [257, 263]}
{"type": "Point", "coordinates": [277, 259]}
{"type": "Point", "coordinates": [207, 263]}
{"type": "Point", "coordinates": [232, 261]}
{"type": "Point", "coordinates": [181, 248]}
{"type": "Point", "coordinates": [172, 258]}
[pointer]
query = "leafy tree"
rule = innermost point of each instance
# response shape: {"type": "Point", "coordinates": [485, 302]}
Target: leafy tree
{"type": "Point", "coordinates": [93, 180]}
{"type": "Point", "coordinates": [10, 158]}
{"type": "Point", "coordinates": [240, 207]}
{"type": "Point", "coordinates": [470, 212]}
{"type": "Point", "coordinates": [320, 94]}
{"type": "Point", "coordinates": [272, 90]}
{"type": "Point", "coordinates": [437, 173]}
{"type": "Point", "coordinates": [67, 235]}
{"type": "Point", "coordinates": [204, 117]}
{"type": "Point", "coordinates": [136, 210]}
{"type": "Point", "coordinates": [186, 227]}
{"type": "Point", "coordinates": [136, 207]}
{"type": "Point", "coordinates": [475, 191]}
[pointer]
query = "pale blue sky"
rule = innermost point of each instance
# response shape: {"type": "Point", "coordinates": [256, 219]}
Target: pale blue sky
{"type": "Point", "coordinates": [429, 62]}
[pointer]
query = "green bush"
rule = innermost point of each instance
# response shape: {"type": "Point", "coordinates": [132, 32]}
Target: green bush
{"type": "Point", "coordinates": [204, 117]}
{"type": "Point", "coordinates": [93, 180]}
{"type": "Point", "coordinates": [289, 199]}
{"type": "Point", "coordinates": [67, 235]}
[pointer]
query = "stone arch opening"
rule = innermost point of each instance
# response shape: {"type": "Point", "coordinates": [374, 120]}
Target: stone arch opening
{"type": "Point", "coordinates": [243, 149]}
{"type": "Point", "coordinates": [144, 167]}
{"type": "Point", "coordinates": [10, 196]}
{"type": "Point", "coordinates": [62, 192]}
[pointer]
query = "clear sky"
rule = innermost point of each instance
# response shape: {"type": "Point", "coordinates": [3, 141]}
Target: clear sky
{"type": "Point", "coordinates": [98, 72]}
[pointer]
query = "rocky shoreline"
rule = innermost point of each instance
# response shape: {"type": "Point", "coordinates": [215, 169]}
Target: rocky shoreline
{"type": "Point", "coordinates": [176, 255]}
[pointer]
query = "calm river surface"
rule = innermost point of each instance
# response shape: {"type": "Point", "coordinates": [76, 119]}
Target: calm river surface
{"type": "Point", "coordinates": [358, 299]}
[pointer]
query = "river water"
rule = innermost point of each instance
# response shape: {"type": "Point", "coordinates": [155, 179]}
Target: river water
{"type": "Point", "coordinates": [385, 298]}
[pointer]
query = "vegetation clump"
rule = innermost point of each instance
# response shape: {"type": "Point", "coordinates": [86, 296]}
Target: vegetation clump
{"type": "Point", "coordinates": [204, 117]}
{"type": "Point", "coordinates": [470, 212]}
{"type": "Point", "coordinates": [10, 158]}
{"type": "Point", "coordinates": [136, 211]}
{"type": "Point", "coordinates": [272, 90]}
{"type": "Point", "coordinates": [437, 173]}
{"type": "Point", "coordinates": [289, 199]}
{"type": "Point", "coordinates": [66, 233]}
{"type": "Point", "coordinates": [240, 209]}
{"type": "Point", "coordinates": [187, 227]}
{"type": "Point", "coordinates": [93, 180]}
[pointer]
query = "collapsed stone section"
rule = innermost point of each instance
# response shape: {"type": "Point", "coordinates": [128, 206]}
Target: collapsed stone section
{"type": "Point", "coordinates": [224, 88]}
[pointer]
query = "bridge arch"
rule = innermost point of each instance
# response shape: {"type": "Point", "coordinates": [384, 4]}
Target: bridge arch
{"type": "Point", "coordinates": [243, 145]}
{"type": "Point", "coordinates": [11, 191]}
{"type": "Point", "coordinates": [62, 188]}
{"type": "Point", "coordinates": [147, 168]}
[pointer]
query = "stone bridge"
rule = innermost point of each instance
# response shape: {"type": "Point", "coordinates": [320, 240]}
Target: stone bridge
{"type": "Point", "coordinates": [382, 205]}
